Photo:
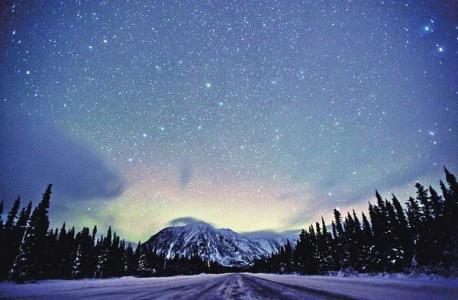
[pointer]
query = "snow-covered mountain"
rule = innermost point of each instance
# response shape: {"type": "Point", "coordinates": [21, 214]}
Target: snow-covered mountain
{"type": "Point", "coordinates": [224, 246]}
{"type": "Point", "coordinates": [272, 241]}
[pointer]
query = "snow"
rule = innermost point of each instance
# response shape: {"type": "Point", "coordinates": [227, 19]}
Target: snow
{"type": "Point", "coordinates": [272, 241]}
{"type": "Point", "coordinates": [239, 286]}
{"type": "Point", "coordinates": [224, 246]}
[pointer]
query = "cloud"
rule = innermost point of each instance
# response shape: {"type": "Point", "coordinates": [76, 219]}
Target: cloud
{"type": "Point", "coordinates": [33, 154]}
{"type": "Point", "coordinates": [183, 221]}
{"type": "Point", "coordinates": [185, 174]}
{"type": "Point", "coordinates": [390, 182]}
{"type": "Point", "coordinates": [288, 234]}
{"type": "Point", "coordinates": [358, 194]}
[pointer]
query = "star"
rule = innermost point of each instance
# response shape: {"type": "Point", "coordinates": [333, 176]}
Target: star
{"type": "Point", "coordinates": [270, 100]}
{"type": "Point", "coordinates": [428, 29]}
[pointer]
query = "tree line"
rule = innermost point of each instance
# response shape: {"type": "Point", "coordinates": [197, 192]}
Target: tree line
{"type": "Point", "coordinates": [30, 250]}
{"type": "Point", "coordinates": [420, 237]}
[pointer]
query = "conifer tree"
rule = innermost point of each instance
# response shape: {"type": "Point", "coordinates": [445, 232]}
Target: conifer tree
{"type": "Point", "coordinates": [94, 234]}
{"type": "Point", "coordinates": [62, 258]}
{"type": "Point", "coordinates": [3, 241]}
{"type": "Point", "coordinates": [23, 268]}
{"type": "Point", "coordinates": [131, 262]}
{"type": "Point", "coordinates": [367, 244]}
{"type": "Point", "coordinates": [338, 232]}
{"type": "Point", "coordinates": [450, 195]}
{"type": "Point", "coordinates": [13, 214]}
{"type": "Point", "coordinates": [143, 268]}
{"type": "Point", "coordinates": [1, 220]}
{"type": "Point", "coordinates": [451, 180]}
{"type": "Point", "coordinates": [437, 203]}
{"type": "Point", "coordinates": [76, 269]}
{"type": "Point", "coordinates": [338, 222]}
{"type": "Point", "coordinates": [22, 220]}
{"type": "Point", "coordinates": [13, 237]}
{"type": "Point", "coordinates": [101, 265]}
{"type": "Point", "coordinates": [325, 245]}
{"type": "Point", "coordinates": [413, 215]}
{"type": "Point", "coordinates": [29, 262]}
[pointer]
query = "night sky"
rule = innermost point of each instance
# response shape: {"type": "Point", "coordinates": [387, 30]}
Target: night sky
{"type": "Point", "coordinates": [250, 115]}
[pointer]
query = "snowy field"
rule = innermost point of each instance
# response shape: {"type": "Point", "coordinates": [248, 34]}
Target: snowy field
{"type": "Point", "coordinates": [237, 286]}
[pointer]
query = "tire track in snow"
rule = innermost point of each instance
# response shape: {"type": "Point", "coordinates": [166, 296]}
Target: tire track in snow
{"type": "Point", "coordinates": [290, 291]}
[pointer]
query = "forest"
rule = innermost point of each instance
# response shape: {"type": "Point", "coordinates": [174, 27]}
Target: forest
{"type": "Point", "coordinates": [421, 237]}
{"type": "Point", "coordinates": [418, 237]}
{"type": "Point", "coordinates": [32, 251]}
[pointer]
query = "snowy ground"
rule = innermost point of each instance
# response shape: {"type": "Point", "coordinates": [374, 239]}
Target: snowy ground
{"type": "Point", "coordinates": [236, 286]}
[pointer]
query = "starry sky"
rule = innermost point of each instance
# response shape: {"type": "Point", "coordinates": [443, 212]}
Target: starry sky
{"type": "Point", "coordinates": [253, 115]}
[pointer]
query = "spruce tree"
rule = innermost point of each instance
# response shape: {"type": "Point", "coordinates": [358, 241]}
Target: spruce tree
{"type": "Point", "coordinates": [102, 260]}
{"type": "Point", "coordinates": [13, 214]}
{"type": "Point", "coordinates": [339, 240]}
{"type": "Point", "coordinates": [62, 253]}
{"type": "Point", "coordinates": [87, 252]}
{"type": "Point", "coordinates": [1, 220]}
{"type": "Point", "coordinates": [326, 254]}
{"type": "Point", "coordinates": [76, 269]}
{"type": "Point", "coordinates": [404, 239]}
{"type": "Point", "coordinates": [338, 222]}
{"type": "Point", "coordinates": [395, 252]}
{"type": "Point", "coordinates": [30, 263]}
{"type": "Point", "coordinates": [143, 268]}
{"type": "Point", "coordinates": [94, 234]}
{"type": "Point", "coordinates": [451, 180]}
{"type": "Point", "coordinates": [424, 200]}
{"type": "Point", "coordinates": [425, 247]}
{"type": "Point", "coordinates": [358, 237]}
{"type": "Point", "coordinates": [413, 215]}
{"type": "Point", "coordinates": [438, 236]}
{"type": "Point", "coordinates": [23, 218]}
{"type": "Point", "coordinates": [437, 203]}
{"type": "Point", "coordinates": [131, 262]}
{"type": "Point", "coordinates": [378, 251]}
{"type": "Point", "coordinates": [3, 241]}
{"type": "Point", "coordinates": [366, 244]}
{"type": "Point", "coordinates": [13, 237]}
{"type": "Point", "coordinates": [450, 195]}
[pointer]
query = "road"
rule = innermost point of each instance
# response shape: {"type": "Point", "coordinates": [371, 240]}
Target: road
{"type": "Point", "coordinates": [235, 286]}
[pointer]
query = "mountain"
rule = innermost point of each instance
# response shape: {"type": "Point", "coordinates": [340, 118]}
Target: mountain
{"type": "Point", "coordinates": [271, 241]}
{"type": "Point", "coordinates": [224, 246]}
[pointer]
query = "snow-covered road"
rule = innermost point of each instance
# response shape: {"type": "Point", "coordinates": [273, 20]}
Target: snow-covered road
{"type": "Point", "coordinates": [236, 286]}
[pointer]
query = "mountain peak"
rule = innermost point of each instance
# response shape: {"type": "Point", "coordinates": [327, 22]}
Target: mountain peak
{"type": "Point", "coordinates": [223, 246]}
